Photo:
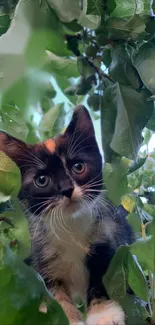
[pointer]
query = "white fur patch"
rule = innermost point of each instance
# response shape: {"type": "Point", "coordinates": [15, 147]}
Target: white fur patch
{"type": "Point", "coordinates": [106, 313]}
{"type": "Point", "coordinates": [77, 193]}
{"type": "Point", "coordinates": [70, 242]}
{"type": "Point", "coordinates": [43, 308]}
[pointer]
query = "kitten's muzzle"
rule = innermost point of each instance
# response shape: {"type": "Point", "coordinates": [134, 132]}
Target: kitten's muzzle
{"type": "Point", "coordinates": [67, 191]}
{"type": "Point", "coordinates": [66, 187]}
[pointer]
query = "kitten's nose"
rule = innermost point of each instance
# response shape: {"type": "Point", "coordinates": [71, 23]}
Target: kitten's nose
{"type": "Point", "coordinates": [67, 191]}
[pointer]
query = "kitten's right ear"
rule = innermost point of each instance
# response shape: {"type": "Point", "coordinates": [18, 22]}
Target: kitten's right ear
{"type": "Point", "coordinates": [13, 148]}
{"type": "Point", "coordinates": [81, 123]}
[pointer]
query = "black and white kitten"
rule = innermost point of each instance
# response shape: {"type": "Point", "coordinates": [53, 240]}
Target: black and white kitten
{"type": "Point", "coordinates": [74, 232]}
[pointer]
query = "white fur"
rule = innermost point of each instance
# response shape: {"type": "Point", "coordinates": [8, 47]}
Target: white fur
{"type": "Point", "coordinates": [108, 313]}
{"type": "Point", "coordinates": [68, 235]}
{"type": "Point", "coordinates": [70, 242]}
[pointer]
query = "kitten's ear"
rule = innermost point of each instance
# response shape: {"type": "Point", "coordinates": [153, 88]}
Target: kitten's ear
{"type": "Point", "coordinates": [13, 148]}
{"type": "Point", "coordinates": [81, 122]}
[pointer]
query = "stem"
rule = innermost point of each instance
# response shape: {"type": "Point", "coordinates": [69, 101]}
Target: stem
{"type": "Point", "coordinates": [98, 70]}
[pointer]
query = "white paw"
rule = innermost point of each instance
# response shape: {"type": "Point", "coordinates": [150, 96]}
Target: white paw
{"type": "Point", "coordinates": [107, 313]}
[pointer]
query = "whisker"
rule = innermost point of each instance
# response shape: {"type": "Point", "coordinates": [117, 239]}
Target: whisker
{"type": "Point", "coordinates": [77, 138]}
{"type": "Point", "coordinates": [25, 149]}
{"type": "Point", "coordinates": [32, 206]}
{"type": "Point", "coordinates": [93, 179]}
{"type": "Point", "coordinates": [92, 190]}
{"type": "Point", "coordinates": [38, 198]}
{"type": "Point", "coordinates": [73, 151]}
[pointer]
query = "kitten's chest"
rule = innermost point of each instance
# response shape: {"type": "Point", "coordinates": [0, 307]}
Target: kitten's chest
{"type": "Point", "coordinates": [70, 246]}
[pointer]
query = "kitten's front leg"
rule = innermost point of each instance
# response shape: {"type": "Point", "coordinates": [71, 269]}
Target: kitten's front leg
{"type": "Point", "coordinates": [63, 298]}
{"type": "Point", "coordinates": [105, 312]}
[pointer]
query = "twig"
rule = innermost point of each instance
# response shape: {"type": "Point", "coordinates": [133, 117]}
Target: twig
{"type": "Point", "coordinates": [100, 73]}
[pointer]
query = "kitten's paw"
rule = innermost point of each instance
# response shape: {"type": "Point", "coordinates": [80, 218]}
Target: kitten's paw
{"type": "Point", "coordinates": [106, 313]}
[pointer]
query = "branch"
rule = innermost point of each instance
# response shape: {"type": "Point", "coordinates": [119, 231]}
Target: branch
{"type": "Point", "coordinates": [99, 71]}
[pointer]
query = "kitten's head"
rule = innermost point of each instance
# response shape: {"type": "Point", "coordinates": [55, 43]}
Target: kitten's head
{"type": "Point", "coordinates": [64, 173]}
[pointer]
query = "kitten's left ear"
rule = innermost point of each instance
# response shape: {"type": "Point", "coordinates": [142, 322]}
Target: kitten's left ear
{"type": "Point", "coordinates": [14, 148]}
{"type": "Point", "coordinates": [81, 122]}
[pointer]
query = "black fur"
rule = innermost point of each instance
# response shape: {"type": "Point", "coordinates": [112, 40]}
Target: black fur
{"type": "Point", "coordinates": [102, 253]}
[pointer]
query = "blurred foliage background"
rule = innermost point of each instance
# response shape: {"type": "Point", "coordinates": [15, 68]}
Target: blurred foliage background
{"type": "Point", "coordinates": [54, 55]}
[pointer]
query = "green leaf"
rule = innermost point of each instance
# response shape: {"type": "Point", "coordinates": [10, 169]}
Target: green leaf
{"type": "Point", "coordinates": [61, 66]}
{"type": "Point", "coordinates": [106, 57]}
{"type": "Point", "coordinates": [52, 122]}
{"type": "Point", "coordinates": [22, 62]}
{"type": "Point", "coordinates": [63, 83]}
{"type": "Point", "coordinates": [93, 101]}
{"type": "Point", "coordinates": [121, 68]}
{"type": "Point", "coordinates": [129, 202]}
{"type": "Point", "coordinates": [20, 229]}
{"type": "Point", "coordinates": [72, 27]}
{"type": "Point", "coordinates": [136, 165]}
{"type": "Point", "coordinates": [108, 117]}
{"type": "Point", "coordinates": [133, 113]}
{"type": "Point", "coordinates": [70, 90]}
{"type": "Point", "coordinates": [50, 92]}
{"type": "Point", "coordinates": [136, 278]}
{"type": "Point", "coordinates": [149, 207]}
{"type": "Point", "coordinates": [136, 26]}
{"type": "Point", "coordinates": [135, 222]}
{"type": "Point", "coordinates": [124, 113]}
{"type": "Point", "coordinates": [147, 136]}
{"type": "Point", "coordinates": [115, 278]}
{"type": "Point", "coordinates": [135, 180]}
{"type": "Point", "coordinates": [144, 63]}
{"type": "Point", "coordinates": [87, 20]}
{"type": "Point", "coordinates": [125, 270]}
{"type": "Point", "coordinates": [151, 123]}
{"type": "Point", "coordinates": [83, 86]}
{"type": "Point", "coordinates": [91, 50]}
{"type": "Point", "coordinates": [119, 28]}
{"type": "Point", "coordinates": [4, 23]}
{"type": "Point", "coordinates": [67, 10]}
{"type": "Point", "coordinates": [115, 178]}
{"type": "Point", "coordinates": [129, 8]}
{"type": "Point", "coordinates": [135, 309]}
{"type": "Point", "coordinates": [116, 28]}
{"type": "Point", "coordinates": [14, 228]}
{"type": "Point", "coordinates": [150, 30]}
{"type": "Point", "coordinates": [8, 7]}
{"type": "Point", "coordinates": [10, 178]}
{"type": "Point", "coordinates": [5, 206]}
{"type": "Point", "coordinates": [22, 290]}
{"type": "Point", "coordinates": [12, 122]}
{"type": "Point", "coordinates": [32, 136]}
{"type": "Point", "coordinates": [84, 67]}
{"type": "Point", "coordinates": [144, 250]}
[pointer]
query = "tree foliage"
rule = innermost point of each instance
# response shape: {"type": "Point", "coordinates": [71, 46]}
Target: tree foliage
{"type": "Point", "coordinates": [102, 52]}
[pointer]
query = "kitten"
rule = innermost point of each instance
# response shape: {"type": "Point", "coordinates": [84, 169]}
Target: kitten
{"type": "Point", "coordinates": [74, 232]}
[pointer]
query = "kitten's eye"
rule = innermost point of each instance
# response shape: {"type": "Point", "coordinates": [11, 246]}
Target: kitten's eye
{"type": "Point", "coordinates": [79, 168]}
{"type": "Point", "coordinates": [42, 181]}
